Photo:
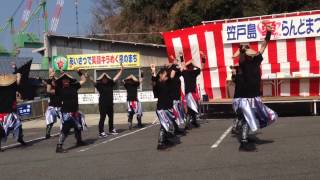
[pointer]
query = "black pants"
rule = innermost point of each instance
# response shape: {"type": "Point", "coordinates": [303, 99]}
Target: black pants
{"type": "Point", "coordinates": [244, 131]}
{"type": "Point", "coordinates": [66, 127]}
{"type": "Point", "coordinates": [104, 111]}
{"type": "Point", "coordinates": [2, 134]}
{"type": "Point", "coordinates": [130, 117]}
{"type": "Point", "coordinates": [162, 136]}
{"type": "Point", "coordinates": [175, 125]}
{"type": "Point", "coordinates": [48, 129]}
{"type": "Point", "coordinates": [238, 121]}
{"type": "Point", "coordinates": [242, 125]}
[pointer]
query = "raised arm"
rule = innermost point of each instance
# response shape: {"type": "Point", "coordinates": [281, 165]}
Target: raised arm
{"type": "Point", "coordinates": [203, 59]}
{"type": "Point", "coordinates": [154, 74]}
{"type": "Point", "coordinates": [153, 70]}
{"type": "Point", "coordinates": [175, 70]}
{"type": "Point", "coordinates": [187, 63]}
{"type": "Point", "coordinates": [267, 39]}
{"type": "Point", "coordinates": [141, 76]}
{"type": "Point", "coordinates": [263, 47]}
{"type": "Point", "coordinates": [50, 90]}
{"type": "Point", "coordinates": [91, 79]}
{"type": "Point", "coordinates": [83, 77]}
{"type": "Point", "coordinates": [18, 78]}
{"type": "Point", "coordinates": [15, 71]}
{"type": "Point", "coordinates": [118, 74]}
{"type": "Point", "coordinates": [134, 78]}
{"type": "Point", "coordinates": [236, 54]}
{"type": "Point", "coordinates": [173, 73]}
{"type": "Point", "coordinates": [183, 63]}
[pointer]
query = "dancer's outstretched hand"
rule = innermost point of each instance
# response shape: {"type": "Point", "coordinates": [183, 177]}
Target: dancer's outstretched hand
{"type": "Point", "coordinates": [153, 67]}
{"type": "Point", "coordinates": [121, 66]}
{"type": "Point", "coordinates": [172, 58]}
{"type": "Point", "coordinates": [269, 28]}
{"type": "Point", "coordinates": [51, 73]}
{"type": "Point", "coordinates": [202, 54]}
{"type": "Point", "coordinates": [203, 57]}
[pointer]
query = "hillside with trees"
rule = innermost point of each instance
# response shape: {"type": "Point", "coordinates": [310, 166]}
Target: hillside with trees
{"type": "Point", "coordinates": [118, 17]}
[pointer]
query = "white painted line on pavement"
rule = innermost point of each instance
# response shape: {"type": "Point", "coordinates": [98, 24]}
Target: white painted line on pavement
{"type": "Point", "coordinates": [29, 141]}
{"type": "Point", "coordinates": [224, 135]}
{"type": "Point", "coordinates": [118, 137]}
{"type": "Point", "coordinates": [155, 121]}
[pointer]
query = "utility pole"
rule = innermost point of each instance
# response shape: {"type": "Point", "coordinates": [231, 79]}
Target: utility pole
{"type": "Point", "coordinates": [77, 18]}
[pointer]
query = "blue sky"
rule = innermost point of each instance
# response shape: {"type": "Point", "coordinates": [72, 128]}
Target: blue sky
{"type": "Point", "coordinates": [67, 23]}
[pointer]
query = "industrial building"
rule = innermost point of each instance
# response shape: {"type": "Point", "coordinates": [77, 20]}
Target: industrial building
{"type": "Point", "coordinates": [57, 45]}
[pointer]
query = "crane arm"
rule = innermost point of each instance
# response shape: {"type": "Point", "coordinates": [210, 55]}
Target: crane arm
{"type": "Point", "coordinates": [8, 23]}
{"type": "Point", "coordinates": [34, 13]}
{"type": "Point", "coordinates": [26, 13]}
{"type": "Point", "coordinates": [55, 19]}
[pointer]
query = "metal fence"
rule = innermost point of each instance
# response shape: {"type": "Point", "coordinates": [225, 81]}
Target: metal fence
{"type": "Point", "coordinates": [38, 108]}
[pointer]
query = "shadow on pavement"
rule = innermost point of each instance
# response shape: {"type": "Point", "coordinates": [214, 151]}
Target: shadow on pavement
{"type": "Point", "coordinates": [258, 141]}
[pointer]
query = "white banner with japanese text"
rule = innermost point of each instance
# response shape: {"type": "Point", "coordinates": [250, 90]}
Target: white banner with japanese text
{"type": "Point", "coordinates": [283, 28]}
{"type": "Point", "coordinates": [118, 97]}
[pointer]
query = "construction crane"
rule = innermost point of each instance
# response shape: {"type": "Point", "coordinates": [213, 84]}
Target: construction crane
{"type": "Point", "coordinates": [56, 17]}
{"type": "Point", "coordinates": [26, 13]}
{"type": "Point", "coordinates": [9, 23]}
{"type": "Point", "coordinates": [31, 40]}
{"type": "Point", "coordinates": [24, 39]}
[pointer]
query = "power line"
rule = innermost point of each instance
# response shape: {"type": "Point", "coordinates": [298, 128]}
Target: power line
{"type": "Point", "coordinates": [77, 18]}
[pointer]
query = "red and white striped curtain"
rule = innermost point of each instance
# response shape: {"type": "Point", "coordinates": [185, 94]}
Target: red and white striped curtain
{"type": "Point", "coordinates": [285, 56]}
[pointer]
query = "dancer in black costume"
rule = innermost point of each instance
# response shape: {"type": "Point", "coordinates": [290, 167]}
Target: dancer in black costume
{"type": "Point", "coordinates": [131, 83]}
{"type": "Point", "coordinates": [67, 91]}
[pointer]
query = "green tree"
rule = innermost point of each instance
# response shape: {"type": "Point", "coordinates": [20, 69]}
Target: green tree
{"type": "Point", "coordinates": [132, 16]}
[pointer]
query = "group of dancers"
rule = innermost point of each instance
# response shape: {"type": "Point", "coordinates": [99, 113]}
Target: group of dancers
{"type": "Point", "coordinates": [64, 104]}
{"type": "Point", "coordinates": [173, 116]}
{"type": "Point", "coordinates": [176, 116]}
{"type": "Point", "coordinates": [9, 120]}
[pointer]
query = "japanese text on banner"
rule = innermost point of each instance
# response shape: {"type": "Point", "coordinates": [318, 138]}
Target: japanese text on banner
{"type": "Point", "coordinates": [283, 28]}
{"type": "Point", "coordinates": [96, 61]}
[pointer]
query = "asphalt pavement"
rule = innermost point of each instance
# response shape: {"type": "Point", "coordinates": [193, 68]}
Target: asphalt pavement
{"type": "Point", "coordinates": [288, 149]}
